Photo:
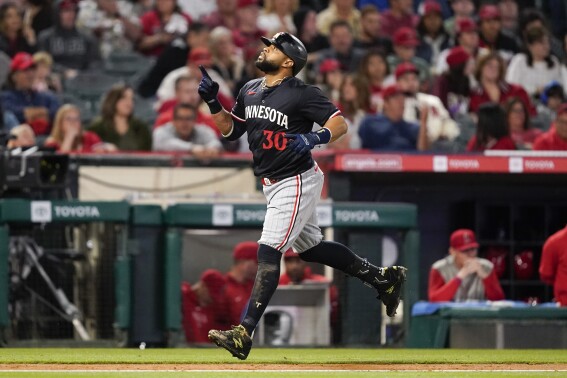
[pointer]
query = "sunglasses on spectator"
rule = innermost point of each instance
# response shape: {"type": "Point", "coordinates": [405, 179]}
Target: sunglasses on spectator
{"type": "Point", "coordinates": [188, 119]}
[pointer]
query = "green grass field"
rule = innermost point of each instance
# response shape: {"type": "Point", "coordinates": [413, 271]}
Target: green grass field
{"type": "Point", "coordinates": [260, 357]}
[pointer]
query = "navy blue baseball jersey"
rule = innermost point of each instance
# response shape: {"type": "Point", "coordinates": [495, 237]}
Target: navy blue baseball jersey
{"type": "Point", "coordinates": [267, 114]}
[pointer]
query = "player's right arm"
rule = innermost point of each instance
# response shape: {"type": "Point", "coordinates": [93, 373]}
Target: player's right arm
{"type": "Point", "coordinates": [208, 90]}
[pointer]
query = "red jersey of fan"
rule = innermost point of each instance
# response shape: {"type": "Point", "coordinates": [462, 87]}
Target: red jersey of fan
{"type": "Point", "coordinates": [504, 143]}
{"type": "Point", "coordinates": [553, 265]}
{"type": "Point", "coordinates": [89, 140]}
{"type": "Point", "coordinates": [507, 91]}
{"type": "Point", "coordinates": [202, 119]}
{"type": "Point", "coordinates": [441, 291]}
{"type": "Point", "coordinates": [152, 23]}
{"type": "Point", "coordinates": [197, 320]}
{"type": "Point", "coordinates": [550, 141]}
{"type": "Point", "coordinates": [237, 295]}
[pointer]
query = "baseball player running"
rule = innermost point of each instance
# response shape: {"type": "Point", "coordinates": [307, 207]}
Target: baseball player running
{"type": "Point", "coordinates": [278, 112]}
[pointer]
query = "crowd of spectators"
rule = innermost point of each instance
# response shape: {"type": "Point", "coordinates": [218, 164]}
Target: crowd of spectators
{"type": "Point", "coordinates": [432, 75]}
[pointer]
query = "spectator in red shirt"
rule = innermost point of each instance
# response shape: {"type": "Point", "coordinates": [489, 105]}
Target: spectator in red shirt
{"type": "Point", "coordinates": [203, 306]}
{"type": "Point", "coordinates": [161, 25]}
{"type": "Point", "coordinates": [490, 73]}
{"type": "Point", "coordinates": [553, 265]}
{"type": "Point", "coordinates": [67, 134]}
{"type": "Point", "coordinates": [240, 279]}
{"type": "Point", "coordinates": [297, 273]}
{"type": "Point", "coordinates": [462, 276]}
{"type": "Point", "coordinates": [399, 15]}
{"type": "Point", "coordinates": [555, 139]}
{"type": "Point", "coordinates": [491, 130]}
{"type": "Point", "coordinates": [186, 93]}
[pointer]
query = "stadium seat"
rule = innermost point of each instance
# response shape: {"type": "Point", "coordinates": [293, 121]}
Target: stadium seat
{"type": "Point", "coordinates": [126, 64]}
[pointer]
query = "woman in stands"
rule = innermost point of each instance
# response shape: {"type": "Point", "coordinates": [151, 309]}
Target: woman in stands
{"type": "Point", "coordinates": [453, 86]}
{"type": "Point", "coordinates": [14, 37]}
{"type": "Point", "coordinates": [537, 67]}
{"type": "Point", "coordinates": [491, 130]}
{"type": "Point", "coordinates": [519, 124]}
{"type": "Point", "coordinates": [67, 134]}
{"type": "Point", "coordinates": [374, 70]}
{"type": "Point", "coordinates": [117, 124]}
{"type": "Point", "coordinates": [490, 73]}
{"type": "Point", "coordinates": [354, 103]}
{"type": "Point", "coordinates": [227, 58]}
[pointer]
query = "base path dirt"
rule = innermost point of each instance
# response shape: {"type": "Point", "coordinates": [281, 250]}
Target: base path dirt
{"type": "Point", "coordinates": [282, 367]}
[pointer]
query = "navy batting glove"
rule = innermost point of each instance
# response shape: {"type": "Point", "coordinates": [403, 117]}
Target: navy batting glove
{"type": "Point", "coordinates": [208, 90]}
{"type": "Point", "coordinates": [302, 143]}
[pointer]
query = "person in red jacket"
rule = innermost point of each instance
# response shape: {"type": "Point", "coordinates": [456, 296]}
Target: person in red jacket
{"type": "Point", "coordinates": [555, 139]}
{"type": "Point", "coordinates": [240, 279]}
{"type": "Point", "coordinates": [203, 305]}
{"type": "Point", "coordinates": [490, 74]}
{"type": "Point", "coordinates": [462, 276]}
{"type": "Point", "coordinates": [297, 272]}
{"type": "Point", "coordinates": [553, 265]}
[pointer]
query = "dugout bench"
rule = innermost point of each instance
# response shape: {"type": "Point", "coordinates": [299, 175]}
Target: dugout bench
{"type": "Point", "coordinates": [485, 324]}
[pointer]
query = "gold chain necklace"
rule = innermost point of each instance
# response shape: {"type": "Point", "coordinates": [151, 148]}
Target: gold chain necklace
{"type": "Point", "coordinates": [279, 81]}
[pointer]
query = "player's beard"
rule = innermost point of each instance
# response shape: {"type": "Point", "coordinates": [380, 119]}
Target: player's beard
{"type": "Point", "coordinates": [267, 66]}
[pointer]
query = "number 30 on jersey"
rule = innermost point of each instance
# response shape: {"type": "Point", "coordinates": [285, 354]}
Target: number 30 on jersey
{"type": "Point", "coordinates": [274, 140]}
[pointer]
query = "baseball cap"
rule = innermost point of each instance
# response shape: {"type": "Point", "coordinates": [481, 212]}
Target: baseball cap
{"type": "Point", "coordinates": [552, 89]}
{"type": "Point", "coordinates": [405, 37]}
{"type": "Point", "coordinates": [463, 239]}
{"type": "Point", "coordinates": [329, 65]}
{"type": "Point", "coordinates": [21, 62]}
{"type": "Point", "coordinates": [404, 68]}
{"type": "Point", "coordinates": [431, 6]}
{"type": "Point", "coordinates": [391, 90]}
{"type": "Point", "coordinates": [457, 56]}
{"type": "Point", "coordinates": [247, 250]}
{"type": "Point", "coordinates": [245, 3]}
{"type": "Point", "coordinates": [489, 12]}
{"type": "Point", "coordinates": [200, 56]}
{"type": "Point", "coordinates": [67, 4]}
{"type": "Point", "coordinates": [465, 25]}
{"type": "Point", "coordinates": [215, 283]}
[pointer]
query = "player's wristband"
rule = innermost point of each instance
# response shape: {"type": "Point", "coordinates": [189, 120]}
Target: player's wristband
{"type": "Point", "coordinates": [214, 106]}
{"type": "Point", "coordinates": [324, 135]}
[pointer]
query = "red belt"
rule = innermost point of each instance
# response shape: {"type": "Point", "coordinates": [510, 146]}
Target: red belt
{"type": "Point", "coordinates": [267, 181]}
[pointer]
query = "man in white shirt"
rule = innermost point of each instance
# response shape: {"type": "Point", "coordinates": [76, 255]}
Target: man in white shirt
{"type": "Point", "coordinates": [183, 134]}
{"type": "Point", "coordinates": [440, 126]}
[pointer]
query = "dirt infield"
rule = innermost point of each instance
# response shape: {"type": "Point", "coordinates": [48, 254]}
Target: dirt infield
{"type": "Point", "coordinates": [284, 367]}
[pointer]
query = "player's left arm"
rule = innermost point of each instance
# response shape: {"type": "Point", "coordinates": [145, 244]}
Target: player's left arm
{"type": "Point", "coordinates": [337, 126]}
